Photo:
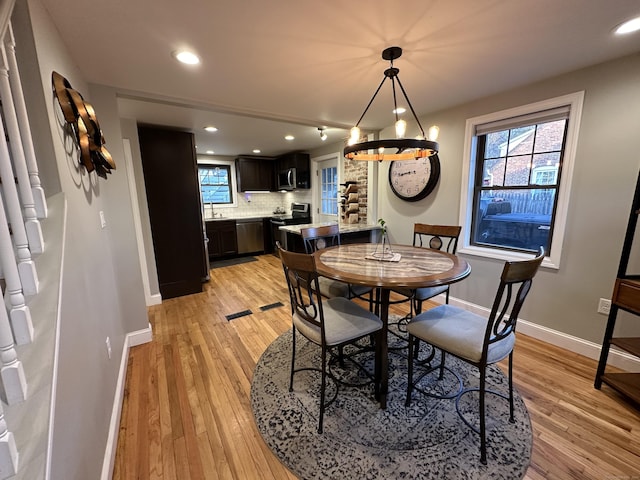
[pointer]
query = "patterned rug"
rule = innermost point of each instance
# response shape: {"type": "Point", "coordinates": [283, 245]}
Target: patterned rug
{"type": "Point", "coordinates": [427, 440]}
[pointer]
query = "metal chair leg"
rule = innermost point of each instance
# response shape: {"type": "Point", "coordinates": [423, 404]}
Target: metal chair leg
{"type": "Point", "coordinates": [511, 419]}
{"type": "Point", "coordinates": [483, 433]}
{"type": "Point", "coordinates": [293, 358]}
{"type": "Point", "coordinates": [323, 386]}
{"type": "Point", "coordinates": [410, 359]}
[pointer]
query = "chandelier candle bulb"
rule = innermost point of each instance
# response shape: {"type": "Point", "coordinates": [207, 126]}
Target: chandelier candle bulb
{"type": "Point", "coordinates": [434, 131]}
{"type": "Point", "coordinates": [355, 135]}
{"type": "Point", "coordinates": [401, 128]}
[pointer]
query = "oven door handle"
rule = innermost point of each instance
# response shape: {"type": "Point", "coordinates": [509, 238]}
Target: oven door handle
{"type": "Point", "coordinates": [278, 222]}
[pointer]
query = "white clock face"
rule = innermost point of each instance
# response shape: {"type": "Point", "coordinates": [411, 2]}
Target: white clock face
{"type": "Point", "coordinates": [413, 180]}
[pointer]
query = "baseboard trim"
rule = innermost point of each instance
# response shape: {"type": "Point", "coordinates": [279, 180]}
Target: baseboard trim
{"type": "Point", "coordinates": [617, 358]}
{"type": "Point", "coordinates": [131, 340]}
{"type": "Point", "coordinates": [154, 300]}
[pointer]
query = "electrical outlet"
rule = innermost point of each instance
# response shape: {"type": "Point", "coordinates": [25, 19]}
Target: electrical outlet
{"type": "Point", "coordinates": [604, 306]}
{"type": "Point", "coordinates": [108, 342]}
{"type": "Point", "coordinates": [103, 222]}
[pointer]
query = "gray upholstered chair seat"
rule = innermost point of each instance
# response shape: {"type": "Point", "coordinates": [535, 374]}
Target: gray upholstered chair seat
{"type": "Point", "coordinates": [459, 332]}
{"type": "Point", "coordinates": [333, 288]}
{"type": "Point", "coordinates": [344, 321]}
{"type": "Point", "coordinates": [422, 293]}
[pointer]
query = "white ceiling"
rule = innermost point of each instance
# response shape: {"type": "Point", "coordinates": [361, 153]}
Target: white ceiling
{"type": "Point", "coordinates": [307, 64]}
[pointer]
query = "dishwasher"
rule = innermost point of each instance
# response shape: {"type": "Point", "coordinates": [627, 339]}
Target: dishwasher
{"type": "Point", "coordinates": [250, 235]}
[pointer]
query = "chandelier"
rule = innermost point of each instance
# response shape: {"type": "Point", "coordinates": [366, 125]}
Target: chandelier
{"type": "Point", "coordinates": [399, 148]}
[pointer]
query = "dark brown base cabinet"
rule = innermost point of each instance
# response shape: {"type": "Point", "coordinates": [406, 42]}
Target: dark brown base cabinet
{"type": "Point", "coordinates": [626, 296]}
{"type": "Point", "coordinates": [222, 237]}
{"type": "Point", "coordinates": [173, 195]}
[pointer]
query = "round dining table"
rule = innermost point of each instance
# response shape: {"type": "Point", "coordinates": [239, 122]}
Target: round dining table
{"type": "Point", "coordinates": [402, 266]}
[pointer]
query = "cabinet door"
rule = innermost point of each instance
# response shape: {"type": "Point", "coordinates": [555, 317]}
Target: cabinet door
{"type": "Point", "coordinates": [173, 195]}
{"type": "Point", "coordinates": [222, 238]}
{"type": "Point", "coordinates": [255, 174]}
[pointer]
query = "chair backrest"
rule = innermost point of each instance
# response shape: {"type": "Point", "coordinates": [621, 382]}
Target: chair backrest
{"type": "Point", "coordinates": [436, 236]}
{"type": "Point", "coordinates": [317, 238]}
{"type": "Point", "coordinates": [304, 291]}
{"type": "Point", "coordinates": [515, 283]}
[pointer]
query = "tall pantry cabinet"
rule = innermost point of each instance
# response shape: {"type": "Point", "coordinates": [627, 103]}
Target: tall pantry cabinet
{"type": "Point", "coordinates": [175, 214]}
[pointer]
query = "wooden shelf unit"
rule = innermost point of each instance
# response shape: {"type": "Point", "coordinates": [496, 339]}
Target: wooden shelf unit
{"type": "Point", "coordinates": [626, 297]}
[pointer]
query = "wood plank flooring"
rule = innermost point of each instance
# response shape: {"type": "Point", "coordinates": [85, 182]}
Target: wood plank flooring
{"type": "Point", "coordinates": [187, 415]}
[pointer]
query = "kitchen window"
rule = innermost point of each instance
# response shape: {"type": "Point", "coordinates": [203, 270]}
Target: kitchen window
{"type": "Point", "coordinates": [215, 184]}
{"type": "Point", "coordinates": [517, 177]}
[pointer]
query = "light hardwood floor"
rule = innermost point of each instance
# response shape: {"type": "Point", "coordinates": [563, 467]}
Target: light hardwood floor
{"type": "Point", "coordinates": [187, 415]}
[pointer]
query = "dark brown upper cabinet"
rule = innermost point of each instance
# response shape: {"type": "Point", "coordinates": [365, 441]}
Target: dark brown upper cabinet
{"type": "Point", "coordinates": [255, 174]}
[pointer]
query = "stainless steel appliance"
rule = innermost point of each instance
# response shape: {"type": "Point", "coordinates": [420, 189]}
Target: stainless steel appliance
{"type": "Point", "coordinates": [287, 179]}
{"type": "Point", "coordinates": [250, 234]}
{"type": "Point", "coordinates": [300, 215]}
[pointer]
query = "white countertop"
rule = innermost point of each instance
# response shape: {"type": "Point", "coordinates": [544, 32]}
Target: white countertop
{"type": "Point", "coordinates": [344, 227]}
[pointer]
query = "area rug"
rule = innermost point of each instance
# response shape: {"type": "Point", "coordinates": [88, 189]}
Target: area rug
{"type": "Point", "coordinates": [229, 262]}
{"type": "Point", "coordinates": [427, 440]}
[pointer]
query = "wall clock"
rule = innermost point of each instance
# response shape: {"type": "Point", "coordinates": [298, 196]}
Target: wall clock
{"type": "Point", "coordinates": [80, 117]}
{"type": "Point", "coordinates": [413, 180]}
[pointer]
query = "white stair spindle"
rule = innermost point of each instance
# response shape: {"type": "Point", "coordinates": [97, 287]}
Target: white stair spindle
{"type": "Point", "coordinates": [14, 382]}
{"type": "Point", "coordinates": [31, 222]}
{"type": "Point", "coordinates": [19, 312]}
{"type": "Point", "coordinates": [8, 450]}
{"type": "Point", "coordinates": [26, 268]}
{"type": "Point", "coordinates": [23, 120]}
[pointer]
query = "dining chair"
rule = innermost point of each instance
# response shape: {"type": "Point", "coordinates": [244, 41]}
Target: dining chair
{"type": "Point", "coordinates": [475, 339]}
{"type": "Point", "coordinates": [317, 238]}
{"type": "Point", "coordinates": [330, 323]}
{"type": "Point", "coordinates": [438, 237]}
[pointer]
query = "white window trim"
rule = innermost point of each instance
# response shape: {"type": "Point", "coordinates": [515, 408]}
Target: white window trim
{"type": "Point", "coordinates": [575, 101]}
{"type": "Point", "coordinates": [234, 183]}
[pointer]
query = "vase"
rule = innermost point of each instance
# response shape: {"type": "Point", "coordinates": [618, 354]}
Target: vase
{"type": "Point", "coordinates": [383, 248]}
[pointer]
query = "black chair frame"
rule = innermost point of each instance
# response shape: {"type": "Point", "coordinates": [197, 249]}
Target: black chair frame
{"type": "Point", "coordinates": [515, 283]}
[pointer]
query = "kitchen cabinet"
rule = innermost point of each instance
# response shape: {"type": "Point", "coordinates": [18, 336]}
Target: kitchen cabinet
{"type": "Point", "coordinates": [301, 162]}
{"type": "Point", "coordinates": [255, 174]}
{"type": "Point", "coordinates": [173, 196]}
{"type": "Point", "coordinates": [223, 240]}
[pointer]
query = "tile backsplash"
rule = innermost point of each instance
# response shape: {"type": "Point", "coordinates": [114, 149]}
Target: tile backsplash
{"type": "Point", "coordinates": [258, 204]}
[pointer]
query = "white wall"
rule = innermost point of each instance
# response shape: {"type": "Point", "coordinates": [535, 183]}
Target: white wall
{"type": "Point", "coordinates": [101, 290]}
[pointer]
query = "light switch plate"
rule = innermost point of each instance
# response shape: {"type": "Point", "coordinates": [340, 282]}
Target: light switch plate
{"type": "Point", "coordinates": [103, 222]}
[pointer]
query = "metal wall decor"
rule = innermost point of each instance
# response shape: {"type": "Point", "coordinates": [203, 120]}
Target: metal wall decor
{"type": "Point", "coordinates": [80, 117]}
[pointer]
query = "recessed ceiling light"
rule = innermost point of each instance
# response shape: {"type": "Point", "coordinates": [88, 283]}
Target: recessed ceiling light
{"type": "Point", "coordinates": [256, 150]}
{"type": "Point", "coordinates": [187, 57]}
{"type": "Point", "coordinates": [210, 152]}
{"type": "Point", "coordinates": [211, 128]}
{"type": "Point", "coordinates": [629, 26]}
{"type": "Point", "coordinates": [399, 110]}
{"type": "Point", "coordinates": [289, 137]}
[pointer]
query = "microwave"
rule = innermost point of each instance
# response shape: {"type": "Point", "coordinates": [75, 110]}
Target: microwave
{"type": "Point", "coordinates": [287, 179]}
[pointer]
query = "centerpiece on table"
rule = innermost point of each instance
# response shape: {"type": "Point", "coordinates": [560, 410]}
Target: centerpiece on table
{"type": "Point", "coordinates": [383, 251]}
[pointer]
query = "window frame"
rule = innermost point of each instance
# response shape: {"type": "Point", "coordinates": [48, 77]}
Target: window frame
{"type": "Point", "coordinates": [212, 163]}
{"type": "Point", "coordinates": [552, 260]}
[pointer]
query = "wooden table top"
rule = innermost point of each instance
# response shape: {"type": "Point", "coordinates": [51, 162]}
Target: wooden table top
{"type": "Point", "coordinates": [417, 267]}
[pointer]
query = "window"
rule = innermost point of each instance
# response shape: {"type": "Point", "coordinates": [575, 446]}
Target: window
{"type": "Point", "coordinates": [517, 177]}
{"type": "Point", "coordinates": [215, 184]}
{"type": "Point", "coordinates": [329, 191]}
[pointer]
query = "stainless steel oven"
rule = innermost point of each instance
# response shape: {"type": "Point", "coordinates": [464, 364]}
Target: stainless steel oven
{"type": "Point", "coordinates": [300, 215]}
